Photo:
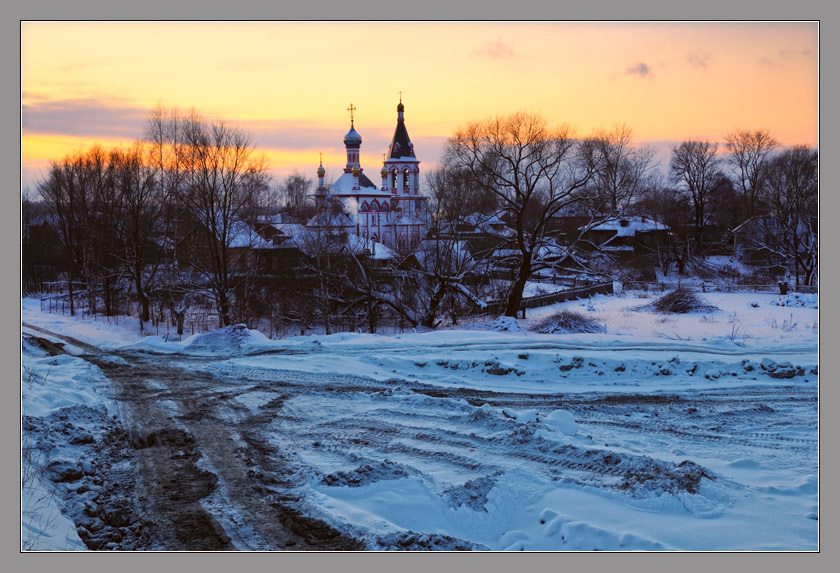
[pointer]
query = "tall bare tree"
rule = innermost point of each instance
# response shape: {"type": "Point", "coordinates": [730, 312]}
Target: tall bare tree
{"type": "Point", "coordinates": [793, 184]}
{"type": "Point", "coordinates": [223, 183]}
{"type": "Point", "coordinates": [141, 202]}
{"type": "Point", "coordinates": [695, 169]}
{"type": "Point", "coordinates": [749, 155]}
{"type": "Point", "coordinates": [622, 169]}
{"type": "Point", "coordinates": [295, 192]}
{"type": "Point", "coordinates": [532, 169]}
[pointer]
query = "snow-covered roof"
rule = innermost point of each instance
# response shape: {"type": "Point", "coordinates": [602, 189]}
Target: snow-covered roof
{"type": "Point", "coordinates": [290, 229]}
{"type": "Point", "coordinates": [360, 245]}
{"type": "Point", "coordinates": [242, 235]}
{"type": "Point", "coordinates": [330, 219]}
{"type": "Point", "coordinates": [344, 186]}
{"type": "Point", "coordinates": [310, 240]}
{"type": "Point", "coordinates": [633, 225]}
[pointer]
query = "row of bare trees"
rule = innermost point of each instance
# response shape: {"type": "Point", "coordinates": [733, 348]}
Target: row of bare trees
{"type": "Point", "coordinates": [527, 173]}
{"type": "Point", "coordinates": [120, 212]}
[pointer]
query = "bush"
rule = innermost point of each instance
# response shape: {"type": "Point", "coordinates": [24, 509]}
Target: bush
{"type": "Point", "coordinates": [679, 301]}
{"type": "Point", "coordinates": [569, 322]}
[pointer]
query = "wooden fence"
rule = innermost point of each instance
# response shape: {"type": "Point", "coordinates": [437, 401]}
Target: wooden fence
{"type": "Point", "coordinates": [494, 309]}
{"type": "Point", "coordinates": [712, 287]}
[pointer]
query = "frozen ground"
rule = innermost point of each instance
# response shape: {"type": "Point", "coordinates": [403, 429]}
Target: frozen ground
{"type": "Point", "coordinates": [689, 432]}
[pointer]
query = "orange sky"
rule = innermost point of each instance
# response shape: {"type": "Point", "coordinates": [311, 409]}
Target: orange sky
{"type": "Point", "coordinates": [289, 84]}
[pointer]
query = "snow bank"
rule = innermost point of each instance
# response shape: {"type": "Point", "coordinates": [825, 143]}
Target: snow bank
{"type": "Point", "coordinates": [55, 382]}
{"type": "Point", "coordinates": [237, 337]}
{"type": "Point", "coordinates": [797, 300]}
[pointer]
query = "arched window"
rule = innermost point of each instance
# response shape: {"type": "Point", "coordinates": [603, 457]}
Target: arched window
{"type": "Point", "coordinates": [363, 208]}
{"type": "Point", "coordinates": [374, 206]}
{"type": "Point", "coordinates": [374, 238]}
{"type": "Point", "coordinates": [384, 208]}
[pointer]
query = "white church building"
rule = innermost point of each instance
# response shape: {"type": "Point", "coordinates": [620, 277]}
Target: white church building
{"type": "Point", "coordinates": [394, 213]}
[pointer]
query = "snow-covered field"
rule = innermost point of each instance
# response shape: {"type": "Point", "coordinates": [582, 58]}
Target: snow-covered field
{"type": "Point", "coordinates": [665, 432]}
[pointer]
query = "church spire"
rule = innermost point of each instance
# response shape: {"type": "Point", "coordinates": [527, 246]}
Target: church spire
{"type": "Point", "coordinates": [352, 143]}
{"type": "Point", "coordinates": [401, 145]}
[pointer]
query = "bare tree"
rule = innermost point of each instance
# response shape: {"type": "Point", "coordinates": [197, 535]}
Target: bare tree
{"type": "Point", "coordinates": [749, 155]}
{"type": "Point", "coordinates": [793, 183]}
{"type": "Point", "coordinates": [695, 169]}
{"type": "Point", "coordinates": [295, 192]}
{"type": "Point", "coordinates": [533, 171]}
{"type": "Point", "coordinates": [622, 169]}
{"type": "Point", "coordinates": [223, 182]}
{"type": "Point", "coordinates": [141, 203]}
{"type": "Point", "coordinates": [69, 189]}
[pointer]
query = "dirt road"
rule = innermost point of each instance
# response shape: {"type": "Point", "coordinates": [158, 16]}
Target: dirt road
{"type": "Point", "coordinates": [223, 460]}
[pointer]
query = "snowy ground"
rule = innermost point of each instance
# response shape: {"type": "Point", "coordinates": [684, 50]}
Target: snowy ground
{"type": "Point", "coordinates": [687, 432]}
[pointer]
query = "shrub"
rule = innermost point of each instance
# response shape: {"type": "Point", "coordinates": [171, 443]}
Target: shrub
{"type": "Point", "coordinates": [569, 322]}
{"type": "Point", "coordinates": [679, 301]}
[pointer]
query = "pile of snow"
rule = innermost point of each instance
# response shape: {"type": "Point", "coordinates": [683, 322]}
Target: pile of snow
{"type": "Point", "coordinates": [798, 300]}
{"type": "Point", "coordinates": [236, 337]}
{"type": "Point", "coordinates": [51, 383]}
{"type": "Point", "coordinates": [562, 420]}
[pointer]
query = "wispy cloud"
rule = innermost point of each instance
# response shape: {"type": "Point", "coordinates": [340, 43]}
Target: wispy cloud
{"type": "Point", "coordinates": [769, 62]}
{"type": "Point", "coordinates": [497, 50]}
{"type": "Point", "coordinates": [641, 69]}
{"type": "Point", "coordinates": [783, 56]}
{"type": "Point", "coordinates": [82, 117]}
{"type": "Point", "coordinates": [699, 58]}
{"type": "Point", "coordinates": [795, 53]}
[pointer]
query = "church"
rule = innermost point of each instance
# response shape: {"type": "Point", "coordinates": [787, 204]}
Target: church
{"type": "Point", "coordinates": [395, 213]}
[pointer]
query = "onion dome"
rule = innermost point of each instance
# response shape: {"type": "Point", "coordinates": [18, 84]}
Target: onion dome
{"type": "Point", "coordinates": [352, 137]}
{"type": "Point", "coordinates": [384, 172]}
{"type": "Point", "coordinates": [400, 107]}
{"type": "Point", "coordinates": [321, 170]}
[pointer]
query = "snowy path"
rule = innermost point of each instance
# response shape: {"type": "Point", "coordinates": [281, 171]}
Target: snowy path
{"type": "Point", "coordinates": [443, 441]}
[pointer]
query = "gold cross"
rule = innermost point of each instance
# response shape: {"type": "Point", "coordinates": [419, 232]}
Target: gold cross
{"type": "Point", "coordinates": [400, 96]}
{"type": "Point", "coordinates": [351, 109]}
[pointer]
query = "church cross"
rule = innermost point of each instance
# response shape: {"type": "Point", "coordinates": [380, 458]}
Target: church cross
{"type": "Point", "coordinates": [351, 109]}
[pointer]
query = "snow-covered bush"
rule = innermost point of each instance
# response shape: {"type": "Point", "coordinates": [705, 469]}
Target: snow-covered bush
{"type": "Point", "coordinates": [569, 322]}
{"type": "Point", "coordinates": [680, 301]}
{"type": "Point", "coordinates": [505, 324]}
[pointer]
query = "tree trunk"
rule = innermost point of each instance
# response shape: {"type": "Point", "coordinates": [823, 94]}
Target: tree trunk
{"type": "Point", "coordinates": [515, 297]}
{"type": "Point", "coordinates": [224, 309]}
{"type": "Point", "coordinates": [429, 318]}
{"type": "Point", "coordinates": [70, 294]}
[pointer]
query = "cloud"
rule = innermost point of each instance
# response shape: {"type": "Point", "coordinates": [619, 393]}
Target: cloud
{"type": "Point", "coordinates": [82, 117]}
{"type": "Point", "coordinates": [497, 50]}
{"type": "Point", "coordinates": [795, 53]}
{"type": "Point", "coordinates": [642, 69]}
{"type": "Point", "coordinates": [699, 58]}
{"type": "Point", "coordinates": [785, 55]}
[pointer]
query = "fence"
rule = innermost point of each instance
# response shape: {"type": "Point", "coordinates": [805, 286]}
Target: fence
{"type": "Point", "coordinates": [552, 298]}
{"type": "Point", "coordinates": [713, 287]}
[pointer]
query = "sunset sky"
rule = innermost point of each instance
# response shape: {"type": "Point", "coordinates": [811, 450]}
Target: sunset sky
{"type": "Point", "coordinates": [289, 84]}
